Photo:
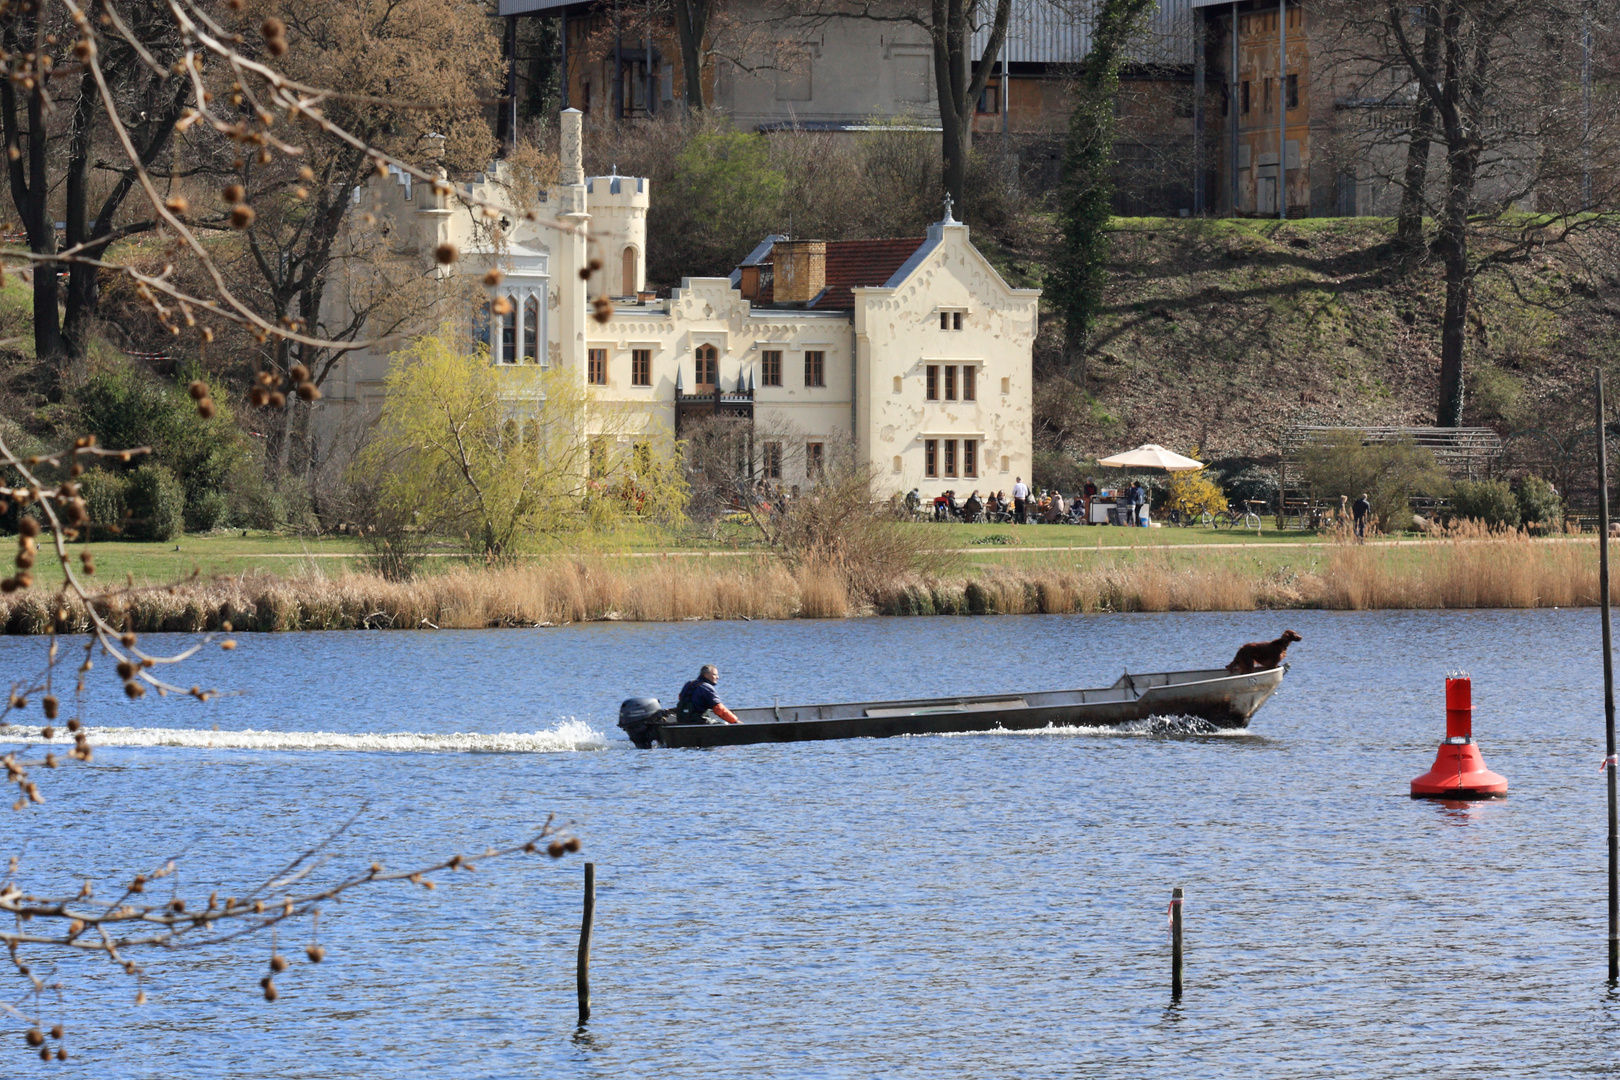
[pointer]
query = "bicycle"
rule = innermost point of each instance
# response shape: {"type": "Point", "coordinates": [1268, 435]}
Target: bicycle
{"type": "Point", "coordinates": [1186, 519]}
{"type": "Point", "coordinates": [1232, 518]}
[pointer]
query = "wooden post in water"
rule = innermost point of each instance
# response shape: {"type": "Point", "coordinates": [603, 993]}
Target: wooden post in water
{"type": "Point", "coordinates": [589, 917]}
{"type": "Point", "coordinates": [1176, 896]}
{"type": "Point", "coordinates": [1609, 762]}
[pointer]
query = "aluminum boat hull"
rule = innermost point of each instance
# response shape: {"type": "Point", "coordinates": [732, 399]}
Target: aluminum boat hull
{"type": "Point", "coordinates": [1224, 700]}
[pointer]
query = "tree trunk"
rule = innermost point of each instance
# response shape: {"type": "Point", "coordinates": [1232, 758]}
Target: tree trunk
{"type": "Point", "coordinates": [691, 23]}
{"type": "Point", "coordinates": [958, 90]}
{"type": "Point", "coordinates": [30, 192]}
{"type": "Point", "coordinates": [1409, 222]}
{"type": "Point", "coordinates": [1452, 244]}
{"type": "Point", "coordinates": [81, 277]}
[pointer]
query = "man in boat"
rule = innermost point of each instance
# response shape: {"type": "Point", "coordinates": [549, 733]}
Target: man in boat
{"type": "Point", "coordinates": [699, 697]}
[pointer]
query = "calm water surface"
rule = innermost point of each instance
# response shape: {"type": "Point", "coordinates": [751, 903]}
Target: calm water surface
{"type": "Point", "coordinates": [970, 906]}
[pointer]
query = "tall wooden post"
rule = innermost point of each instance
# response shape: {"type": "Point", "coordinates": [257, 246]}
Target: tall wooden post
{"type": "Point", "coordinates": [1232, 109]}
{"type": "Point", "coordinates": [1610, 764]}
{"type": "Point", "coordinates": [583, 977]}
{"type": "Point", "coordinates": [1198, 113]}
{"type": "Point", "coordinates": [1282, 110]}
{"type": "Point", "coordinates": [1176, 897]}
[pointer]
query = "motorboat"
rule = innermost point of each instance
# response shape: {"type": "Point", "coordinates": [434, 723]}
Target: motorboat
{"type": "Point", "coordinates": [1217, 697]}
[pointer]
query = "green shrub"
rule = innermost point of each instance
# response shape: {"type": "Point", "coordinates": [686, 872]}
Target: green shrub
{"type": "Point", "coordinates": [1539, 503]}
{"type": "Point", "coordinates": [126, 408]}
{"type": "Point", "coordinates": [1390, 473]}
{"type": "Point", "coordinates": [156, 501]}
{"type": "Point", "coordinates": [105, 495]}
{"type": "Point", "coordinates": [1489, 501]}
{"type": "Point", "coordinates": [207, 511]}
{"type": "Point", "coordinates": [260, 508]}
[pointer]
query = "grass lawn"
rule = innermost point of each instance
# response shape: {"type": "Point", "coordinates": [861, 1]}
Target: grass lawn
{"type": "Point", "coordinates": [212, 554]}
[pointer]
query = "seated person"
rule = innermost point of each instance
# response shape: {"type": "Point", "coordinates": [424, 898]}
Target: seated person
{"type": "Point", "coordinates": [972, 508]}
{"type": "Point", "coordinates": [699, 697]}
{"type": "Point", "coordinates": [941, 508]}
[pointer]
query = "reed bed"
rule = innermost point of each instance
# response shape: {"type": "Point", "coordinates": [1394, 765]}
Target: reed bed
{"type": "Point", "coordinates": [1477, 570]}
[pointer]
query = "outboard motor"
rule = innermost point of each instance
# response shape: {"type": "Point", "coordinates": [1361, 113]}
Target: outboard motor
{"type": "Point", "coordinates": [640, 718]}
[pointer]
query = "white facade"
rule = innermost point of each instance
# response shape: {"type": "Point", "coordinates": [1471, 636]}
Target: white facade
{"type": "Point", "coordinates": [945, 319]}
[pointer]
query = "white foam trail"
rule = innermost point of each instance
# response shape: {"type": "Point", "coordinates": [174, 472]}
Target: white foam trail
{"type": "Point", "coordinates": [1157, 725]}
{"type": "Point", "coordinates": [566, 736]}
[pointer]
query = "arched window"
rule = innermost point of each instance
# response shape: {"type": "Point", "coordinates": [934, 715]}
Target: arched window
{"type": "Point", "coordinates": [531, 330]}
{"type": "Point", "coordinates": [481, 326]}
{"type": "Point", "coordinates": [708, 367]}
{"type": "Point", "coordinates": [629, 272]}
{"type": "Point", "coordinates": [509, 341]}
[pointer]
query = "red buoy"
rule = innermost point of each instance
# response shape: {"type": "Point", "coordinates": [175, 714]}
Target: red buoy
{"type": "Point", "coordinates": [1459, 770]}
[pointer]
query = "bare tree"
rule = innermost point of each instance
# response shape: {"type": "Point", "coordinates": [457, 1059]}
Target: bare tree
{"type": "Point", "coordinates": [1496, 84]}
{"type": "Point", "coordinates": [951, 26]}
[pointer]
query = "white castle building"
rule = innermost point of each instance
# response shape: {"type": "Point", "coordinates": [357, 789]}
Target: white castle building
{"type": "Point", "coordinates": [913, 355]}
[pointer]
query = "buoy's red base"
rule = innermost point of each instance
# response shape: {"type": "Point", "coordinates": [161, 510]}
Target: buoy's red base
{"type": "Point", "coordinates": [1459, 772]}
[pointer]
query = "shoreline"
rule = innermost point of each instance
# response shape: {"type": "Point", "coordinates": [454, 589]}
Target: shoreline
{"type": "Point", "coordinates": [1502, 571]}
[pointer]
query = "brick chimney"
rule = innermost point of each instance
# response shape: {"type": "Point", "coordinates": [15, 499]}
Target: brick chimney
{"type": "Point", "coordinates": [799, 270]}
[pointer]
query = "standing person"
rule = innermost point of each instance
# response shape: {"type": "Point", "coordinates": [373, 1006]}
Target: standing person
{"type": "Point", "coordinates": [1361, 508]}
{"type": "Point", "coordinates": [1020, 500]}
{"type": "Point", "coordinates": [1090, 493]}
{"type": "Point", "coordinates": [699, 697]}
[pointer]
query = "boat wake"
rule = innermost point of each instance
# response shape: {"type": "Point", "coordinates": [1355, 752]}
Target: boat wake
{"type": "Point", "coordinates": [1152, 726]}
{"type": "Point", "coordinates": [569, 735]}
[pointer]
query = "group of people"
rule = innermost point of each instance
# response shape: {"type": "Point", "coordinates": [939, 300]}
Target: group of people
{"type": "Point", "coordinates": [1049, 506]}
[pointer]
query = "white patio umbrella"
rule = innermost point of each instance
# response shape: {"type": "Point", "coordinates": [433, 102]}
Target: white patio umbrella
{"type": "Point", "coordinates": [1152, 456]}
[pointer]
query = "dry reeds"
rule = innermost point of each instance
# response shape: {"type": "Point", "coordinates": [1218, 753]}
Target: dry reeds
{"type": "Point", "coordinates": [1467, 569]}
{"type": "Point", "coordinates": [1470, 568]}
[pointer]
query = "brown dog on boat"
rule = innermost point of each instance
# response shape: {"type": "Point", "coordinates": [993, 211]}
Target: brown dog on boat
{"type": "Point", "coordinates": [1262, 655]}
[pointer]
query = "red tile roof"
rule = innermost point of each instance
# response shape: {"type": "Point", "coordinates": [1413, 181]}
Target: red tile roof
{"type": "Point", "coordinates": [852, 263]}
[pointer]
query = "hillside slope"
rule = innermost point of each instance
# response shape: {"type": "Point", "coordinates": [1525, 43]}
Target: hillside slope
{"type": "Point", "coordinates": [1220, 334]}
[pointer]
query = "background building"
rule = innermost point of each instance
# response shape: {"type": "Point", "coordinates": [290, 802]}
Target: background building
{"type": "Point", "coordinates": [911, 355]}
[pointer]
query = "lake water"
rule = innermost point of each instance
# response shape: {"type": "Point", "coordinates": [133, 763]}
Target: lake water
{"type": "Point", "coordinates": [967, 906]}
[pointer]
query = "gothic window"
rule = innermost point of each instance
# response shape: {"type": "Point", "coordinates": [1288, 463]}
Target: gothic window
{"type": "Point", "coordinates": [531, 330]}
{"type": "Point", "coordinates": [509, 333]}
{"type": "Point", "coordinates": [708, 367]}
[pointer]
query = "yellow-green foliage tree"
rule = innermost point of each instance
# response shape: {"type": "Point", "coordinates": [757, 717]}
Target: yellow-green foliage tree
{"type": "Point", "coordinates": [1194, 493]}
{"type": "Point", "coordinates": [508, 456]}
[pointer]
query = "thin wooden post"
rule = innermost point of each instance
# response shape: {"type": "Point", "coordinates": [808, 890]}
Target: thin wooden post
{"type": "Point", "coordinates": [589, 917]}
{"type": "Point", "coordinates": [1609, 762]}
{"type": "Point", "coordinates": [1176, 896]}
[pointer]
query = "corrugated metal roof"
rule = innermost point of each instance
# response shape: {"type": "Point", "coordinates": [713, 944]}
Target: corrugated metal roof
{"type": "Point", "coordinates": [1059, 32]}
